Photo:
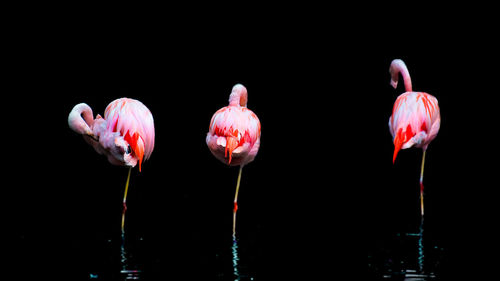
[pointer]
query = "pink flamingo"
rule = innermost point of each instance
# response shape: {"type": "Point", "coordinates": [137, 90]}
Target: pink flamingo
{"type": "Point", "coordinates": [234, 136]}
{"type": "Point", "coordinates": [126, 134]}
{"type": "Point", "coordinates": [415, 119]}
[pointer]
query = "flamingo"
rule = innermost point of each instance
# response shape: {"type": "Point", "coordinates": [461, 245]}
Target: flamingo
{"type": "Point", "coordinates": [126, 134]}
{"type": "Point", "coordinates": [234, 136]}
{"type": "Point", "coordinates": [415, 119]}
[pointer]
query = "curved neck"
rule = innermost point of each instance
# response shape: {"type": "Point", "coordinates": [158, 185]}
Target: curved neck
{"type": "Point", "coordinates": [80, 119]}
{"type": "Point", "coordinates": [238, 96]}
{"type": "Point", "coordinates": [398, 66]}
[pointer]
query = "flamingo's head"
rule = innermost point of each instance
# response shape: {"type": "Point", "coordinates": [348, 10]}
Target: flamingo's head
{"type": "Point", "coordinates": [122, 153]}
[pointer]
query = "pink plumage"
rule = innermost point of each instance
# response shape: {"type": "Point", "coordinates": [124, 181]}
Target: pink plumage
{"type": "Point", "coordinates": [126, 134]}
{"type": "Point", "coordinates": [234, 131]}
{"type": "Point", "coordinates": [415, 118]}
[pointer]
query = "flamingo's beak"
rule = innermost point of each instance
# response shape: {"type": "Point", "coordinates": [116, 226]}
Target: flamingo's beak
{"type": "Point", "coordinates": [137, 145]}
{"type": "Point", "coordinates": [139, 152]}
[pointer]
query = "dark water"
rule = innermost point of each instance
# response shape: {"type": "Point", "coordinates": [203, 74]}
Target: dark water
{"type": "Point", "coordinates": [235, 261]}
{"type": "Point", "coordinates": [403, 256]}
{"type": "Point", "coordinates": [138, 258]}
{"type": "Point", "coordinates": [129, 266]}
{"type": "Point", "coordinates": [407, 256]}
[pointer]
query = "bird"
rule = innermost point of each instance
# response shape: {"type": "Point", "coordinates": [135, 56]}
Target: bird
{"type": "Point", "coordinates": [415, 119]}
{"type": "Point", "coordinates": [234, 136]}
{"type": "Point", "coordinates": [126, 134]}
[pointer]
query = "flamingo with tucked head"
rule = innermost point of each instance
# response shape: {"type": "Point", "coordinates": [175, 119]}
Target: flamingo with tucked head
{"type": "Point", "coordinates": [126, 134]}
{"type": "Point", "coordinates": [415, 119]}
{"type": "Point", "coordinates": [234, 136]}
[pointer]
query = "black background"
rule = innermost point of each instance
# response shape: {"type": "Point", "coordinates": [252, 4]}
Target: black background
{"type": "Point", "coordinates": [322, 187]}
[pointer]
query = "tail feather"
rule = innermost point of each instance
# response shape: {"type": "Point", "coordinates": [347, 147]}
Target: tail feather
{"type": "Point", "coordinates": [231, 144]}
{"type": "Point", "coordinates": [397, 146]}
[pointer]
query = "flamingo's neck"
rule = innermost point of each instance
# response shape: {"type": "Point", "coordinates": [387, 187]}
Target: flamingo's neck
{"type": "Point", "coordinates": [238, 96]}
{"type": "Point", "coordinates": [398, 66]}
{"type": "Point", "coordinates": [80, 119]}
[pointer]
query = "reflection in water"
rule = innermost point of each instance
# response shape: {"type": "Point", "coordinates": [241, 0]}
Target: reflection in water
{"type": "Point", "coordinates": [407, 256]}
{"type": "Point", "coordinates": [420, 273]}
{"type": "Point", "coordinates": [240, 267]}
{"type": "Point", "coordinates": [127, 271]}
{"type": "Point", "coordinates": [236, 259]}
{"type": "Point", "coordinates": [421, 247]}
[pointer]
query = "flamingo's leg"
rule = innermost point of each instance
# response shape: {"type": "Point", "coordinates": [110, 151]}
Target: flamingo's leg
{"type": "Point", "coordinates": [235, 209]}
{"type": "Point", "coordinates": [125, 200]}
{"type": "Point", "coordinates": [422, 185]}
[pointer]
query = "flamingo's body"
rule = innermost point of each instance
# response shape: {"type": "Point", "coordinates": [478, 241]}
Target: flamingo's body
{"type": "Point", "coordinates": [415, 118]}
{"type": "Point", "coordinates": [234, 135]}
{"type": "Point", "coordinates": [234, 131]}
{"type": "Point", "coordinates": [126, 134]}
{"type": "Point", "coordinates": [415, 121]}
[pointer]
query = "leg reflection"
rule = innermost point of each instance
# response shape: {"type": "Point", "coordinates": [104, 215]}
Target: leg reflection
{"type": "Point", "coordinates": [236, 259]}
{"type": "Point", "coordinates": [421, 247]}
{"type": "Point", "coordinates": [128, 271]}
